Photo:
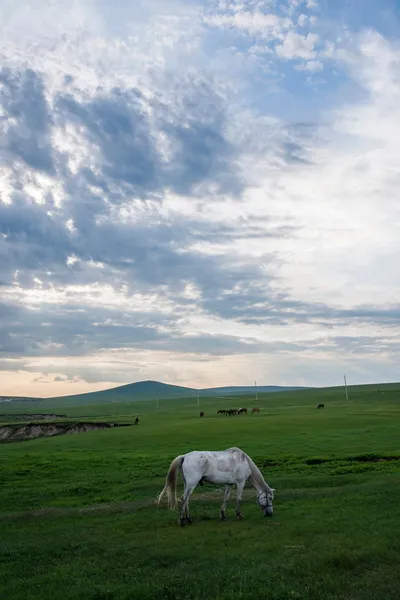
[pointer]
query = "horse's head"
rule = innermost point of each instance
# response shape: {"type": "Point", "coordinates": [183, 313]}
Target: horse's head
{"type": "Point", "coordinates": [264, 500]}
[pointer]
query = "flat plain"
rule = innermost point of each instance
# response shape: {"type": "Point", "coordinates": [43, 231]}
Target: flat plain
{"type": "Point", "coordinates": [78, 516]}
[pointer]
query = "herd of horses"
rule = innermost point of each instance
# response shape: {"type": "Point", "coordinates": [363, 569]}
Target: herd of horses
{"type": "Point", "coordinates": [240, 411]}
{"type": "Point", "coordinates": [234, 411]}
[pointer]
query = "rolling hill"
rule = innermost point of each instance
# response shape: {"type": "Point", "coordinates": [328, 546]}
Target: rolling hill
{"type": "Point", "coordinates": [248, 389]}
{"type": "Point", "coordinates": [145, 390]}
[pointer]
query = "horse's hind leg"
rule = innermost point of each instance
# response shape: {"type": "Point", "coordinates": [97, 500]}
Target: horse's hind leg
{"type": "Point", "coordinates": [225, 502]}
{"type": "Point", "coordinates": [239, 494]}
{"type": "Point", "coordinates": [187, 514]}
{"type": "Point", "coordinates": [184, 515]}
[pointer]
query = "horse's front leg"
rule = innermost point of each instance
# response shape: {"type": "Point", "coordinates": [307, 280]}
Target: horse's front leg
{"type": "Point", "coordinates": [239, 494]}
{"type": "Point", "coordinates": [227, 493]}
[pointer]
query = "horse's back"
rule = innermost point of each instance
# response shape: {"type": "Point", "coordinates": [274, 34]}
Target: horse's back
{"type": "Point", "coordinates": [216, 454]}
{"type": "Point", "coordinates": [218, 466]}
{"type": "Point", "coordinates": [210, 455]}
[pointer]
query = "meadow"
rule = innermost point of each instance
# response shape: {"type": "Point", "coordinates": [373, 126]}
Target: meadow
{"type": "Point", "coordinates": [78, 517]}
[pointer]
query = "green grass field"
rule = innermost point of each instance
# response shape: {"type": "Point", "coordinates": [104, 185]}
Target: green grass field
{"type": "Point", "coordinates": [78, 518]}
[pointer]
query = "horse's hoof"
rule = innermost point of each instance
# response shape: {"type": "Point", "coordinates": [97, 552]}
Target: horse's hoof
{"type": "Point", "coordinates": [223, 517]}
{"type": "Point", "coordinates": [240, 516]}
{"type": "Point", "coordinates": [189, 521]}
{"type": "Point", "coordinates": [181, 522]}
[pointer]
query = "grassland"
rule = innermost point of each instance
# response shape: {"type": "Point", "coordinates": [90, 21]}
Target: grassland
{"type": "Point", "coordinates": [78, 518]}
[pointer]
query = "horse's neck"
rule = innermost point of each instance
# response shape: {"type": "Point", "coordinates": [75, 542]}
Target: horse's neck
{"type": "Point", "coordinates": [256, 478]}
{"type": "Point", "coordinates": [260, 486]}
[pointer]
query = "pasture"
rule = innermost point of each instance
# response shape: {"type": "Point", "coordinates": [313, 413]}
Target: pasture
{"type": "Point", "coordinates": [78, 517]}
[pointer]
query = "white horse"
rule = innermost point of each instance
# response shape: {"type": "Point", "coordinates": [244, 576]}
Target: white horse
{"type": "Point", "coordinates": [227, 467]}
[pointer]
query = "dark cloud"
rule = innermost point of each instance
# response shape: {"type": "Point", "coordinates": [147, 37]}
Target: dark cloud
{"type": "Point", "coordinates": [75, 331]}
{"type": "Point", "coordinates": [118, 128]}
{"type": "Point", "coordinates": [57, 331]}
{"type": "Point", "coordinates": [364, 345]}
{"type": "Point", "coordinates": [293, 152]}
{"type": "Point", "coordinates": [26, 124]}
{"type": "Point", "coordinates": [32, 240]}
{"type": "Point", "coordinates": [142, 256]}
{"type": "Point", "coordinates": [256, 304]}
{"type": "Point", "coordinates": [79, 330]}
{"type": "Point", "coordinates": [124, 131]}
{"type": "Point", "coordinates": [196, 125]}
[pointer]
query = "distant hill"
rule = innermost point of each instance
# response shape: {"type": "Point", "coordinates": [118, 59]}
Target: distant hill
{"type": "Point", "coordinates": [141, 390]}
{"type": "Point", "coordinates": [248, 389]}
{"type": "Point", "coordinates": [4, 399]}
{"type": "Point", "coordinates": [146, 390]}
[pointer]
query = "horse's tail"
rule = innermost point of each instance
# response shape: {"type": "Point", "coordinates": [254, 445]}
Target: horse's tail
{"type": "Point", "coordinates": [171, 483]}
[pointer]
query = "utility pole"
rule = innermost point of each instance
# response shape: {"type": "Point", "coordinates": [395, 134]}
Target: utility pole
{"type": "Point", "coordinates": [198, 397]}
{"type": "Point", "coordinates": [255, 383]}
{"type": "Point", "coordinates": [345, 387]}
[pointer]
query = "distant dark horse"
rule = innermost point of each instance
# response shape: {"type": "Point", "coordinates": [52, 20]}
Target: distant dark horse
{"type": "Point", "coordinates": [321, 406]}
{"type": "Point", "coordinates": [255, 410]}
{"type": "Point", "coordinates": [137, 421]}
{"type": "Point", "coordinates": [242, 410]}
{"type": "Point", "coordinates": [202, 414]}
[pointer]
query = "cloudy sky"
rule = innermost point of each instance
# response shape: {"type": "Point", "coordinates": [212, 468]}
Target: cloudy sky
{"type": "Point", "coordinates": [202, 192]}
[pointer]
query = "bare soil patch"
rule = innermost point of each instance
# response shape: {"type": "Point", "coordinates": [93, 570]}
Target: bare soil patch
{"type": "Point", "coordinates": [30, 431]}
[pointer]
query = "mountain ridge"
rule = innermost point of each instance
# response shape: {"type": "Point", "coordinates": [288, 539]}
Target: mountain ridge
{"type": "Point", "coordinates": [143, 390]}
{"type": "Point", "coordinates": [147, 389]}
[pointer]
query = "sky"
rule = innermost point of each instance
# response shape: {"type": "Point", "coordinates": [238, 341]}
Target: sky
{"type": "Point", "coordinates": [199, 192]}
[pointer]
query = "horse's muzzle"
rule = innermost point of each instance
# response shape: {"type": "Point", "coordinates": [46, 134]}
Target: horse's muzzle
{"type": "Point", "coordinates": [268, 512]}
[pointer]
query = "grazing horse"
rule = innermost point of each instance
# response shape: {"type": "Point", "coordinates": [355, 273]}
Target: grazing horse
{"type": "Point", "coordinates": [321, 406]}
{"type": "Point", "coordinates": [137, 421]}
{"type": "Point", "coordinates": [229, 467]}
{"type": "Point", "coordinates": [221, 412]}
{"type": "Point", "coordinates": [202, 414]}
{"type": "Point", "coordinates": [242, 410]}
{"type": "Point", "coordinates": [255, 410]}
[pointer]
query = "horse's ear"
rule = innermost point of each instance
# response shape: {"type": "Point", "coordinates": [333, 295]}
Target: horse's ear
{"type": "Point", "coordinates": [272, 489]}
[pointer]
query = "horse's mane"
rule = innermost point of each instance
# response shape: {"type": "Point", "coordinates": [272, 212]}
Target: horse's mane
{"type": "Point", "coordinates": [256, 474]}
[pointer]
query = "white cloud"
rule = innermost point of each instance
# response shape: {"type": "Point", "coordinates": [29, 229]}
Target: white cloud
{"type": "Point", "coordinates": [302, 20]}
{"type": "Point", "coordinates": [311, 65]}
{"type": "Point", "coordinates": [348, 201]}
{"type": "Point", "coordinates": [296, 45]}
{"type": "Point", "coordinates": [267, 26]}
{"type": "Point", "coordinates": [94, 44]}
